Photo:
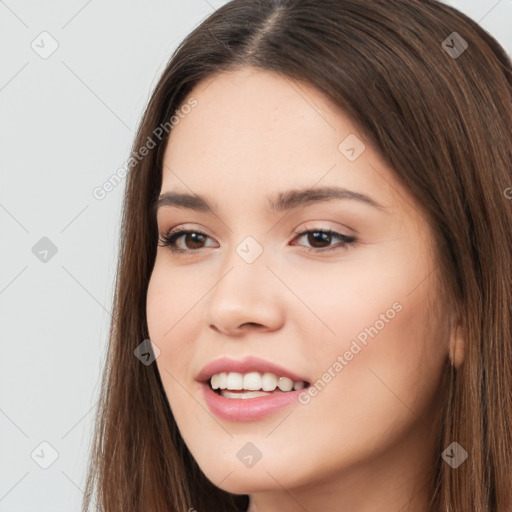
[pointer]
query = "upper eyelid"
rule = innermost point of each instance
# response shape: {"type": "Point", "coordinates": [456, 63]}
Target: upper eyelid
{"type": "Point", "coordinates": [306, 225]}
{"type": "Point", "coordinates": [177, 232]}
{"type": "Point", "coordinates": [299, 231]}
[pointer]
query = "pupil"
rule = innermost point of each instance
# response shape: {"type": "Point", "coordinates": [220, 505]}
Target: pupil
{"type": "Point", "coordinates": [321, 236]}
{"type": "Point", "coordinates": [194, 236]}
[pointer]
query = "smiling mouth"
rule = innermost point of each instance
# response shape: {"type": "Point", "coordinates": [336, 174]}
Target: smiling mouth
{"type": "Point", "coordinates": [243, 394]}
{"type": "Point", "coordinates": [253, 385]}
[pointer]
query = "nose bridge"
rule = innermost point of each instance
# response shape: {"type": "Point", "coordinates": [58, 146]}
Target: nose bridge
{"type": "Point", "coordinates": [243, 291]}
{"type": "Point", "coordinates": [244, 265]}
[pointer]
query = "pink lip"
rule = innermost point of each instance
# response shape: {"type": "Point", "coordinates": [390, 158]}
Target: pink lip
{"type": "Point", "coordinates": [248, 364]}
{"type": "Point", "coordinates": [247, 409]}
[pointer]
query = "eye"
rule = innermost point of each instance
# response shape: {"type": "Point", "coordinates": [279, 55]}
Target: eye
{"type": "Point", "coordinates": [325, 236]}
{"type": "Point", "coordinates": [314, 236]}
{"type": "Point", "coordinates": [191, 236]}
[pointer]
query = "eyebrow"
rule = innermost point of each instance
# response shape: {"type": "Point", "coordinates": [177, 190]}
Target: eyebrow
{"type": "Point", "coordinates": [283, 201]}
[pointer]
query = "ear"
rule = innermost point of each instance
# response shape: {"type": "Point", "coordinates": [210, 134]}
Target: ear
{"type": "Point", "coordinates": [457, 343]}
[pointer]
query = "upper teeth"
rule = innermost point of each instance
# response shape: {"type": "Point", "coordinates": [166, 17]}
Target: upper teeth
{"type": "Point", "coordinates": [254, 381]}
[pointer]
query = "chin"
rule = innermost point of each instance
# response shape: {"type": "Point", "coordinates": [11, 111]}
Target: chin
{"type": "Point", "coordinates": [246, 481]}
{"type": "Point", "coordinates": [272, 474]}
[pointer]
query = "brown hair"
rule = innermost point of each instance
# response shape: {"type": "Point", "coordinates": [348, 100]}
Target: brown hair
{"type": "Point", "coordinates": [443, 122]}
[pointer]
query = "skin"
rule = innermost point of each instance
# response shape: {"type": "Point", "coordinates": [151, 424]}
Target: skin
{"type": "Point", "coordinates": [366, 441]}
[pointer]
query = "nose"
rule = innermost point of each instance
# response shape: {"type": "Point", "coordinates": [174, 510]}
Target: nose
{"type": "Point", "coordinates": [245, 296]}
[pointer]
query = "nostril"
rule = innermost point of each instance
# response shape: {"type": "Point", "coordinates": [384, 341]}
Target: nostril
{"type": "Point", "coordinates": [251, 325]}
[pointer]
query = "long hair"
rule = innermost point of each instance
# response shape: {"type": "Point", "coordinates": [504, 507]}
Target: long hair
{"type": "Point", "coordinates": [432, 92]}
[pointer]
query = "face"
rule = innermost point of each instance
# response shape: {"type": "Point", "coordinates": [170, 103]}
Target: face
{"type": "Point", "coordinates": [343, 307]}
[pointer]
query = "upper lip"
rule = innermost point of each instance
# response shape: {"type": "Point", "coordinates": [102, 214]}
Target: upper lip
{"type": "Point", "coordinates": [245, 365]}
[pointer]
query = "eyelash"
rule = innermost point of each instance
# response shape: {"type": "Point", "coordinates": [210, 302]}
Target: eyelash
{"type": "Point", "coordinates": [170, 238]}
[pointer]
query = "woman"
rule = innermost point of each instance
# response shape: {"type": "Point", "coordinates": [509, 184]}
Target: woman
{"type": "Point", "coordinates": [313, 304]}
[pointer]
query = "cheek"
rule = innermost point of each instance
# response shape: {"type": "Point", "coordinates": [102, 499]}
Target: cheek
{"type": "Point", "coordinates": [386, 360]}
{"type": "Point", "coordinates": [173, 317]}
{"type": "Point", "coordinates": [171, 299]}
{"type": "Point", "coordinates": [378, 366]}
{"type": "Point", "coordinates": [169, 308]}
{"type": "Point", "coordinates": [159, 302]}
{"type": "Point", "coordinates": [375, 295]}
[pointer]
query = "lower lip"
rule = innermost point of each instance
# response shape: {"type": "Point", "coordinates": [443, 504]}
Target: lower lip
{"type": "Point", "coordinates": [247, 409]}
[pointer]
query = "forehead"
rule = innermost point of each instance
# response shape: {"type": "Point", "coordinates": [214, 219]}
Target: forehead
{"type": "Point", "coordinates": [253, 131]}
{"type": "Point", "coordinates": [247, 109]}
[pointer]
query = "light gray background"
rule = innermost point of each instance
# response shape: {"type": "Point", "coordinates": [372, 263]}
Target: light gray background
{"type": "Point", "coordinates": [67, 123]}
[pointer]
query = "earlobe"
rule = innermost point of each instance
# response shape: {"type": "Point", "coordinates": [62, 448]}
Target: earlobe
{"type": "Point", "coordinates": [457, 344]}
